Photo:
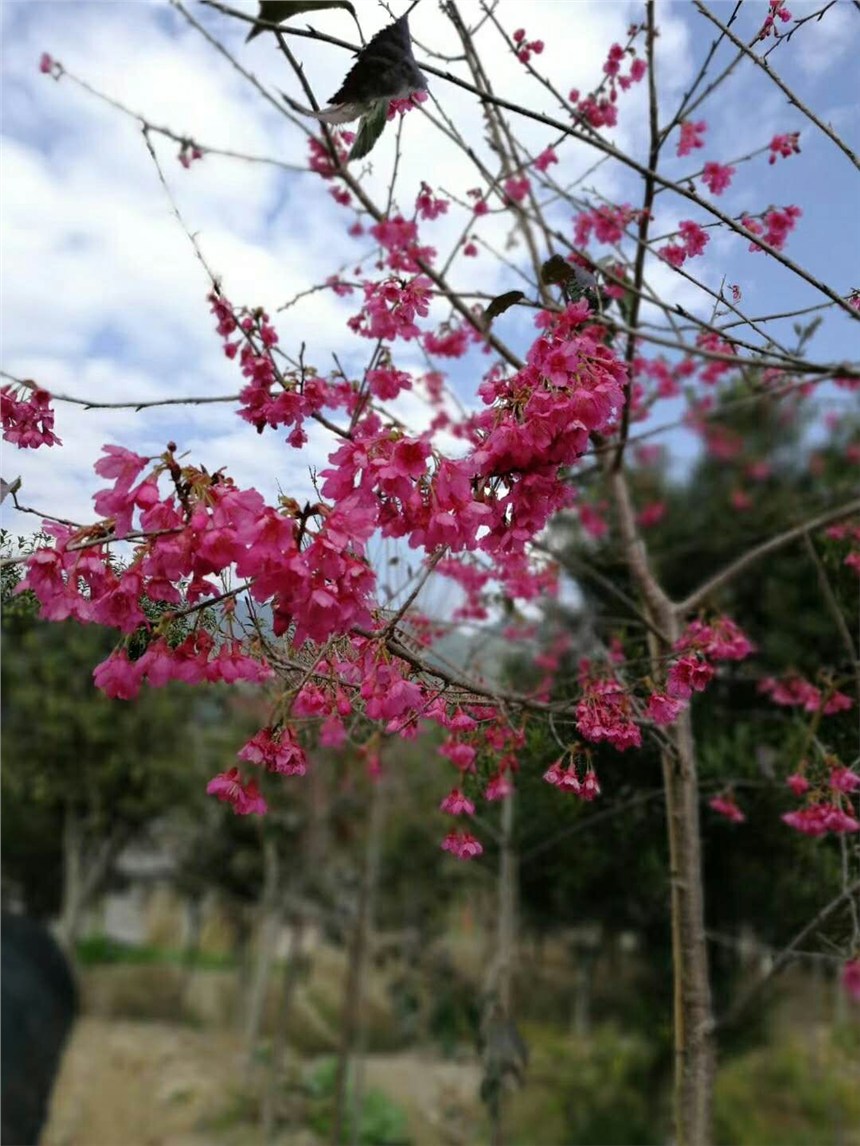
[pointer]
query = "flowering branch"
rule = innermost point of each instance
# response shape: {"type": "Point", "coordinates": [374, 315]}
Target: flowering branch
{"type": "Point", "coordinates": [780, 83]}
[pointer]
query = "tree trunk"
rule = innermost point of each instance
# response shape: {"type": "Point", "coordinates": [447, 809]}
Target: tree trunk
{"type": "Point", "coordinates": [693, 1012]}
{"type": "Point", "coordinates": [191, 947]}
{"type": "Point", "coordinates": [694, 1053]}
{"type": "Point", "coordinates": [503, 1054]}
{"type": "Point", "coordinates": [270, 920]}
{"type": "Point", "coordinates": [507, 929]}
{"type": "Point", "coordinates": [351, 1023]}
{"type": "Point", "coordinates": [292, 972]}
{"type": "Point", "coordinates": [84, 873]}
{"type": "Point", "coordinates": [73, 882]}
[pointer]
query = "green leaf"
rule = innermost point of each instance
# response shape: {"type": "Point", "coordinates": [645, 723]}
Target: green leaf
{"type": "Point", "coordinates": [370, 128]}
{"type": "Point", "coordinates": [277, 11]}
{"type": "Point", "coordinates": [501, 303]}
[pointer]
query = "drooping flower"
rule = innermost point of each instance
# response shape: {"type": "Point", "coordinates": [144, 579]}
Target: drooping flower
{"type": "Point", "coordinates": [798, 783]}
{"type": "Point", "coordinates": [818, 819]}
{"type": "Point", "coordinates": [244, 797]}
{"type": "Point", "coordinates": [843, 779]}
{"type": "Point", "coordinates": [664, 709]}
{"type": "Point", "coordinates": [727, 807]}
{"type": "Point", "coordinates": [457, 804]}
{"type": "Point", "coordinates": [463, 845]}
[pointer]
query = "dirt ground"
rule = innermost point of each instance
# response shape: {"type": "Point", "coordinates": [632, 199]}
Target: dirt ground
{"type": "Point", "coordinates": [126, 1083]}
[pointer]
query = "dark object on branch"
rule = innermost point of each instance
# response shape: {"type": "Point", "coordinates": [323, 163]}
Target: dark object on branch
{"type": "Point", "coordinates": [576, 282]}
{"type": "Point", "coordinates": [384, 70]}
{"type": "Point", "coordinates": [501, 303]}
{"type": "Point", "coordinates": [504, 1055]}
{"type": "Point", "coordinates": [277, 11]}
{"type": "Point", "coordinates": [39, 1002]}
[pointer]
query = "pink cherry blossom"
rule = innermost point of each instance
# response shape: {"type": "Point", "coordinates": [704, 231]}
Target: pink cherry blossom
{"type": "Point", "coordinates": [590, 788]}
{"type": "Point", "coordinates": [118, 677]}
{"type": "Point", "coordinates": [687, 675]}
{"type": "Point", "coordinates": [564, 777]}
{"type": "Point", "coordinates": [818, 819]}
{"type": "Point", "coordinates": [277, 750]}
{"type": "Point", "coordinates": [727, 807]}
{"type": "Point", "coordinates": [694, 237]}
{"type": "Point", "coordinates": [428, 206]}
{"type": "Point", "coordinates": [517, 187]}
{"type": "Point", "coordinates": [798, 783]}
{"type": "Point", "coordinates": [664, 709]}
{"type": "Point", "coordinates": [244, 797]}
{"type": "Point", "coordinates": [456, 804]}
{"type": "Point", "coordinates": [717, 177]}
{"type": "Point", "coordinates": [28, 421]}
{"type": "Point", "coordinates": [499, 787]}
{"type": "Point", "coordinates": [783, 146]}
{"type": "Point", "coordinates": [843, 779]}
{"type": "Point", "coordinates": [545, 160]}
{"type": "Point", "coordinates": [463, 845]}
{"type": "Point", "coordinates": [691, 137]}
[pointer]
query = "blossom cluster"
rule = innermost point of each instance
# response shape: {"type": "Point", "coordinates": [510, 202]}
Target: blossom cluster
{"type": "Point", "coordinates": [599, 109]}
{"type": "Point", "coordinates": [563, 774]}
{"type": "Point", "coordinates": [783, 146]}
{"type": "Point", "coordinates": [604, 711]}
{"type": "Point", "coordinates": [796, 692]}
{"type": "Point", "coordinates": [774, 227]}
{"type": "Point", "coordinates": [776, 11]}
{"type": "Point", "coordinates": [850, 532]}
{"type": "Point", "coordinates": [524, 48]}
{"type": "Point", "coordinates": [27, 417]}
{"type": "Point", "coordinates": [693, 240]}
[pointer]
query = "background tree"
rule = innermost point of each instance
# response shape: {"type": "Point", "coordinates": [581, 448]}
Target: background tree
{"type": "Point", "coordinates": [83, 775]}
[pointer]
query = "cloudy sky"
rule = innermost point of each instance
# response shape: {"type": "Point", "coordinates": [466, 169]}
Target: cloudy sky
{"type": "Point", "coordinates": [104, 299]}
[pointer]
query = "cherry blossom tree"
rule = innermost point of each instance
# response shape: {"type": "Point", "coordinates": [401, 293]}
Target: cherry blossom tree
{"type": "Point", "coordinates": [570, 372]}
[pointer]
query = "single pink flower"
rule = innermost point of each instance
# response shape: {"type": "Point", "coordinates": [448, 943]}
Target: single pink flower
{"type": "Point", "coordinates": [664, 709]}
{"type": "Point", "coordinates": [717, 177]}
{"type": "Point", "coordinates": [498, 787]}
{"type": "Point", "coordinates": [245, 798]}
{"type": "Point", "coordinates": [463, 845]}
{"type": "Point", "coordinates": [727, 807]}
{"type": "Point", "coordinates": [843, 779]}
{"type": "Point", "coordinates": [798, 783]}
{"type": "Point", "coordinates": [456, 804]}
{"type": "Point", "coordinates": [691, 137]}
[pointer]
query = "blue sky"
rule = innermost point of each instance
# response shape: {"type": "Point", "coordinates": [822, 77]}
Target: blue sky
{"type": "Point", "coordinates": [103, 298]}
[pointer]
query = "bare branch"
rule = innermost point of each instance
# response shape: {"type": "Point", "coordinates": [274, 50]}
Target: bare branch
{"type": "Point", "coordinates": [785, 956]}
{"type": "Point", "coordinates": [752, 556]}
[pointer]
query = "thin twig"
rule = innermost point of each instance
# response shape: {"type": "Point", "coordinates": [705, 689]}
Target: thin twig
{"type": "Point", "coordinates": [752, 556]}
{"type": "Point", "coordinates": [785, 956]}
{"type": "Point", "coordinates": [793, 98]}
